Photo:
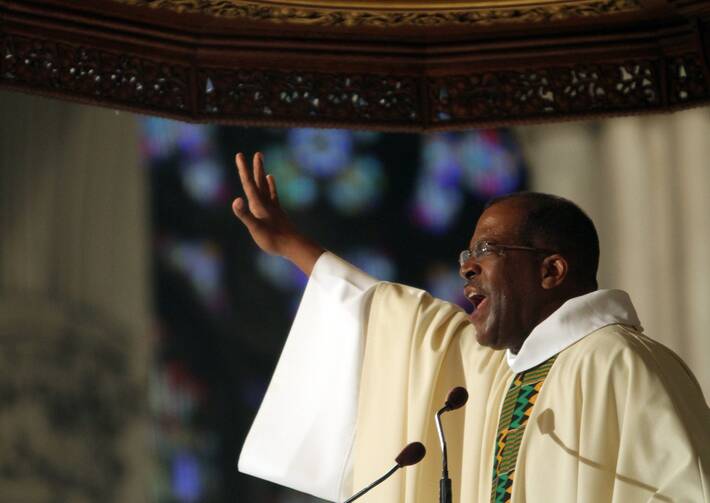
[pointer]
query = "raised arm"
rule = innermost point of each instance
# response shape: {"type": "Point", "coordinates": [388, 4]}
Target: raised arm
{"type": "Point", "coordinates": [302, 436]}
{"type": "Point", "coordinates": [266, 221]}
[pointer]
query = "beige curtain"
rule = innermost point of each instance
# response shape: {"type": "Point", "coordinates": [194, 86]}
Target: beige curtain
{"type": "Point", "coordinates": [73, 304]}
{"type": "Point", "coordinates": [645, 182]}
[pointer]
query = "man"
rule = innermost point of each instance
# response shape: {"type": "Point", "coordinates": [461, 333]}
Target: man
{"type": "Point", "coordinates": [569, 401]}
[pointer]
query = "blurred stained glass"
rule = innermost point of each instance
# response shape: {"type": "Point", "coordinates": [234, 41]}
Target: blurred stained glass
{"type": "Point", "coordinates": [252, 390]}
{"type": "Point", "coordinates": [455, 166]}
{"type": "Point", "coordinates": [440, 163]}
{"type": "Point", "coordinates": [358, 188]}
{"type": "Point", "coordinates": [436, 207]}
{"type": "Point", "coordinates": [295, 188]}
{"type": "Point", "coordinates": [321, 152]}
{"type": "Point", "coordinates": [185, 452]}
{"type": "Point", "coordinates": [490, 168]}
{"type": "Point", "coordinates": [328, 162]}
{"type": "Point", "coordinates": [175, 393]}
{"type": "Point", "coordinates": [374, 262]}
{"type": "Point", "coordinates": [281, 273]}
{"type": "Point", "coordinates": [187, 479]}
{"type": "Point", "coordinates": [366, 137]}
{"type": "Point", "coordinates": [204, 181]}
{"type": "Point", "coordinates": [162, 138]}
{"type": "Point", "coordinates": [201, 263]}
{"type": "Point", "coordinates": [444, 282]}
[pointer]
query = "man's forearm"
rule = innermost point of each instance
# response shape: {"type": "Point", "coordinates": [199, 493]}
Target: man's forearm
{"type": "Point", "coordinates": [303, 252]}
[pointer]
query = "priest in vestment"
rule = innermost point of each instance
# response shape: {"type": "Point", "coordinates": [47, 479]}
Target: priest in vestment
{"type": "Point", "coordinates": [569, 400]}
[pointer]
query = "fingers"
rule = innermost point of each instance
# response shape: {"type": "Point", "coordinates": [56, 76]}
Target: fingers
{"type": "Point", "coordinates": [242, 212]}
{"type": "Point", "coordinates": [239, 208]}
{"type": "Point", "coordinates": [250, 189]}
{"type": "Point", "coordinates": [273, 194]}
{"type": "Point", "coordinates": [259, 176]}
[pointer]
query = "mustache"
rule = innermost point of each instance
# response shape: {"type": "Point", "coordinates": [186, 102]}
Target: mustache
{"type": "Point", "coordinates": [476, 286]}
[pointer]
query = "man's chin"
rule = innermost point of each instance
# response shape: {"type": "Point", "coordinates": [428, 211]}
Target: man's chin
{"type": "Point", "coordinates": [485, 338]}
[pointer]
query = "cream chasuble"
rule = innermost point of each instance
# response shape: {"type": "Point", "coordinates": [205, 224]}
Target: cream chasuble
{"type": "Point", "coordinates": [618, 419]}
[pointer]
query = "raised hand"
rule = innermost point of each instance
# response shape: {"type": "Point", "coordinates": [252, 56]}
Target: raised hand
{"type": "Point", "coordinates": [266, 221]}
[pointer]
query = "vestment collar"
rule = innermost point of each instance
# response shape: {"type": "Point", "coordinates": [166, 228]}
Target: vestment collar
{"type": "Point", "coordinates": [572, 321]}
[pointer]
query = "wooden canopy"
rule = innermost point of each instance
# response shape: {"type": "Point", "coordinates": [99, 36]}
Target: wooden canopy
{"type": "Point", "coordinates": [409, 65]}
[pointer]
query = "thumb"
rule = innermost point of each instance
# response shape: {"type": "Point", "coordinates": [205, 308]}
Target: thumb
{"type": "Point", "coordinates": [242, 212]}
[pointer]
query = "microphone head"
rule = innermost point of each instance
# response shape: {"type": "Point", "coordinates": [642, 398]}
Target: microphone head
{"type": "Point", "coordinates": [457, 398]}
{"type": "Point", "coordinates": [411, 455]}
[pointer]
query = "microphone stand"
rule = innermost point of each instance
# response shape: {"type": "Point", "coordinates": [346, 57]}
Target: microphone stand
{"type": "Point", "coordinates": [376, 482]}
{"type": "Point", "coordinates": [445, 495]}
{"type": "Point", "coordinates": [410, 455]}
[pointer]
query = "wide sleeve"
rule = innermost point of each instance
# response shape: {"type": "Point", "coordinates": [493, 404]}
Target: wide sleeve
{"type": "Point", "coordinates": [303, 433]}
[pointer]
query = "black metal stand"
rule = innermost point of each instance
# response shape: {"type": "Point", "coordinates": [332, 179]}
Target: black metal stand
{"type": "Point", "coordinates": [445, 490]}
{"type": "Point", "coordinates": [445, 495]}
{"type": "Point", "coordinates": [376, 482]}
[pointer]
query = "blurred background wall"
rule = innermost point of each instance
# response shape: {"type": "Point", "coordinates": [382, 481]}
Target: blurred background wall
{"type": "Point", "coordinates": [74, 304]}
{"type": "Point", "coordinates": [645, 182]}
{"type": "Point", "coordinates": [139, 326]}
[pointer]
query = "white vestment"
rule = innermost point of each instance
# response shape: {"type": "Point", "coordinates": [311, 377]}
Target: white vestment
{"type": "Point", "coordinates": [366, 365]}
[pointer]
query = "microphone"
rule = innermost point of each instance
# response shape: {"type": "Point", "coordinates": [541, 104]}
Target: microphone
{"type": "Point", "coordinates": [456, 399]}
{"type": "Point", "coordinates": [410, 455]}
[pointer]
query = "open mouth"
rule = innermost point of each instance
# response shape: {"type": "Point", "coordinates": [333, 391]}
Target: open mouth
{"type": "Point", "coordinates": [476, 301]}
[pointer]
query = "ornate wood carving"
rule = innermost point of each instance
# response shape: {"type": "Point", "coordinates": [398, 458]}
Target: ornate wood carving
{"type": "Point", "coordinates": [687, 80]}
{"type": "Point", "coordinates": [323, 97]}
{"type": "Point", "coordinates": [94, 74]}
{"type": "Point", "coordinates": [214, 61]}
{"type": "Point", "coordinates": [383, 17]}
{"type": "Point", "coordinates": [536, 93]}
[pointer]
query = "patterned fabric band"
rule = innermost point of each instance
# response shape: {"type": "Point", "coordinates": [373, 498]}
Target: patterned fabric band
{"type": "Point", "coordinates": [514, 415]}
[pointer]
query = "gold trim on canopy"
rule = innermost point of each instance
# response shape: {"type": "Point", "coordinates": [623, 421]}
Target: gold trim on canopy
{"type": "Point", "coordinates": [389, 13]}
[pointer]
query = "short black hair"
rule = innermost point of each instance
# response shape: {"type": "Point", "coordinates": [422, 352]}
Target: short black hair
{"type": "Point", "coordinates": [557, 223]}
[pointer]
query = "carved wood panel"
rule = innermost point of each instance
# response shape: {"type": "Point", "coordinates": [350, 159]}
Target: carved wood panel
{"type": "Point", "coordinates": [558, 91]}
{"type": "Point", "coordinates": [254, 75]}
{"type": "Point", "coordinates": [93, 73]}
{"type": "Point", "coordinates": [319, 96]}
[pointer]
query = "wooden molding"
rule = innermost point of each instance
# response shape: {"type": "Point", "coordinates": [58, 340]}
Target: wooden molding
{"type": "Point", "coordinates": [267, 63]}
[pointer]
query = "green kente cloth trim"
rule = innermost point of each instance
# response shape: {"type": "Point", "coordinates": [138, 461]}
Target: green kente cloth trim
{"type": "Point", "coordinates": [514, 415]}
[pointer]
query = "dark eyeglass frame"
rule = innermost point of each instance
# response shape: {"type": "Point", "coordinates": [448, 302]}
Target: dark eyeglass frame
{"type": "Point", "coordinates": [486, 248]}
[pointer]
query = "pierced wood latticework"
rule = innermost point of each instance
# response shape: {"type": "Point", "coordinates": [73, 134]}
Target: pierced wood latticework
{"type": "Point", "coordinates": [408, 65]}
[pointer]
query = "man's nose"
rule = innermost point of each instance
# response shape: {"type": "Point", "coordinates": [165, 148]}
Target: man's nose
{"type": "Point", "coordinates": [470, 269]}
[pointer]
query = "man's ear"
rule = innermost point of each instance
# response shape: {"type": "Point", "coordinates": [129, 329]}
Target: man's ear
{"type": "Point", "coordinates": [554, 270]}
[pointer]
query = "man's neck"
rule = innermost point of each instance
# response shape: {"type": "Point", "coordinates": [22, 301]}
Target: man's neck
{"type": "Point", "coordinates": [547, 310]}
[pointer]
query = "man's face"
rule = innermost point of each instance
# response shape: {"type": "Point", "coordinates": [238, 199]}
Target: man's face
{"type": "Point", "coordinates": [504, 288]}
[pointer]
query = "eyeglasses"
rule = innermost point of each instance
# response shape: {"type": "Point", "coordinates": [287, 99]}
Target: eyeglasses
{"type": "Point", "coordinates": [485, 248]}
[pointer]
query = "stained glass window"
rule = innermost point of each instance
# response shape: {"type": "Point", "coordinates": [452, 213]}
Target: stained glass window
{"type": "Point", "coordinates": [399, 206]}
